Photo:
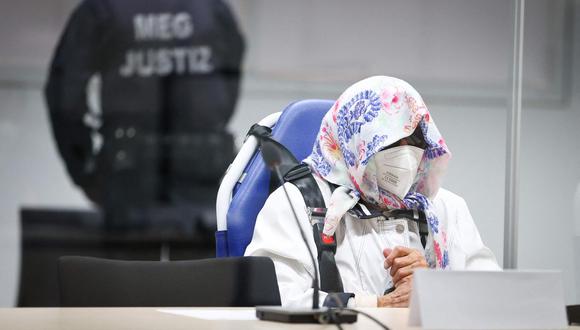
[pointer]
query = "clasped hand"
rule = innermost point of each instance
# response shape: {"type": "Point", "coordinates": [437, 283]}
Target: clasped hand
{"type": "Point", "coordinates": [401, 262]}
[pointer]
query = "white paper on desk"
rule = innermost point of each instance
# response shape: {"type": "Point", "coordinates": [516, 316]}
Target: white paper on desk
{"type": "Point", "coordinates": [487, 300]}
{"type": "Point", "coordinates": [213, 314]}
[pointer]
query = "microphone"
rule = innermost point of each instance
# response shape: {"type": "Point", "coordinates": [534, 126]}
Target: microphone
{"type": "Point", "coordinates": [273, 160]}
{"type": "Point", "coordinates": [271, 156]}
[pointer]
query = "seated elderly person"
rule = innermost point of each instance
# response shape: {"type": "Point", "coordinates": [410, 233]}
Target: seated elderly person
{"type": "Point", "coordinates": [378, 149]}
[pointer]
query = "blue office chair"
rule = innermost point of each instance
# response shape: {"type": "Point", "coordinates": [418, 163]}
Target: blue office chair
{"type": "Point", "coordinates": [246, 184]}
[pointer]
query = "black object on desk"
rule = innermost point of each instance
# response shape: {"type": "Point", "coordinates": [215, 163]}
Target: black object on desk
{"type": "Point", "coordinates": [322, 315]}
{"type": "Point", "coordinates": [47, 234]}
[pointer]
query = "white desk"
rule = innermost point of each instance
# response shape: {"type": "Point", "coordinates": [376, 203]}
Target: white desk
{"type": "Point", "coordinates": [152, 319]}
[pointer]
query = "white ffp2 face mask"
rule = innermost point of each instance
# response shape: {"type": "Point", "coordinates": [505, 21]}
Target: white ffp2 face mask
{"type": "Point", "coordinates": [397, 167]}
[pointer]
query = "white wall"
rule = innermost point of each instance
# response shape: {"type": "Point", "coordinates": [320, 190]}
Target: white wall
{"type": "Point", "coordinates": [316, 49]}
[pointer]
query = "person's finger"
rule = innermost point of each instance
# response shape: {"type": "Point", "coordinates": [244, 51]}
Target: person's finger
{"type": "Point", "coordinates": [401, 301]}
{"type": "Point", "coordinates": [398, 251]}
{"type": "Point", "coordinates": [400, 262]}
{"type": "Point", "coordinates": [412, 258]}
{"type": "Point", "coordinates": [403, 267]}
{"type": "Point", "coordinates": [386, 252]}
{"type": "Point", "coordinates": [403, 261]}
{"type": "Point", "coordinates": [400, 297]}
{"type": "Point", "coordinates": [403, 272]}
{"type": "Point", "coordinates": [384, 301]}
{"type": "Point", "coordinates": [406, 281]}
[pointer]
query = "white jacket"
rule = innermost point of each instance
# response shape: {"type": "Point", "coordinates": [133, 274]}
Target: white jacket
{"type": "Point", "coordinates": [360, 243]}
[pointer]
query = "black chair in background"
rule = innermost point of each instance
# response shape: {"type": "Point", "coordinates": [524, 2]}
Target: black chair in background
{"type": "Point", "coordinates": [50, 233]}
{"type": "Point", "coordinates": [573, 312]}
{"type": "Point", "coordinates": [224, 282]}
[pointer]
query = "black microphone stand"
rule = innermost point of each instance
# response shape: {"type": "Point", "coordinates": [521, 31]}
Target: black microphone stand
{"type": "Point", "coordinates": [315, 285]}
{"type": "Point", "coordinates": [316, 314]}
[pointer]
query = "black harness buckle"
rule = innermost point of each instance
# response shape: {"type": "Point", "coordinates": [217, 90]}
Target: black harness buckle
{"type": "Point", "coordinates": [299, 171]}
{"type": "Point", "coordinates": [259, 131]}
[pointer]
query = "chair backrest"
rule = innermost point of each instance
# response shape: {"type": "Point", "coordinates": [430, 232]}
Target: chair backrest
{"type": "Point", "coordinates": [224, 282]}
{"type": "Point", "coordinates": [296, 129]}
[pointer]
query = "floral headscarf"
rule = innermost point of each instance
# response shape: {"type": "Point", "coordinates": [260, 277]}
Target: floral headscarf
{"type": "Point", "coordinates": [370, 115]}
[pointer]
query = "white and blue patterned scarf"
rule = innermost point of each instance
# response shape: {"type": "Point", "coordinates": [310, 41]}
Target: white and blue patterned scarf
{"type": "Point", "coordinates": [369, 116]}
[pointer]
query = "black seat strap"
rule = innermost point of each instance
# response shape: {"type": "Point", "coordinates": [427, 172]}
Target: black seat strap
{"type": "Point", "coordinates": [326, 262]}
{"type": "Point", "coordinates": [300, 175]}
